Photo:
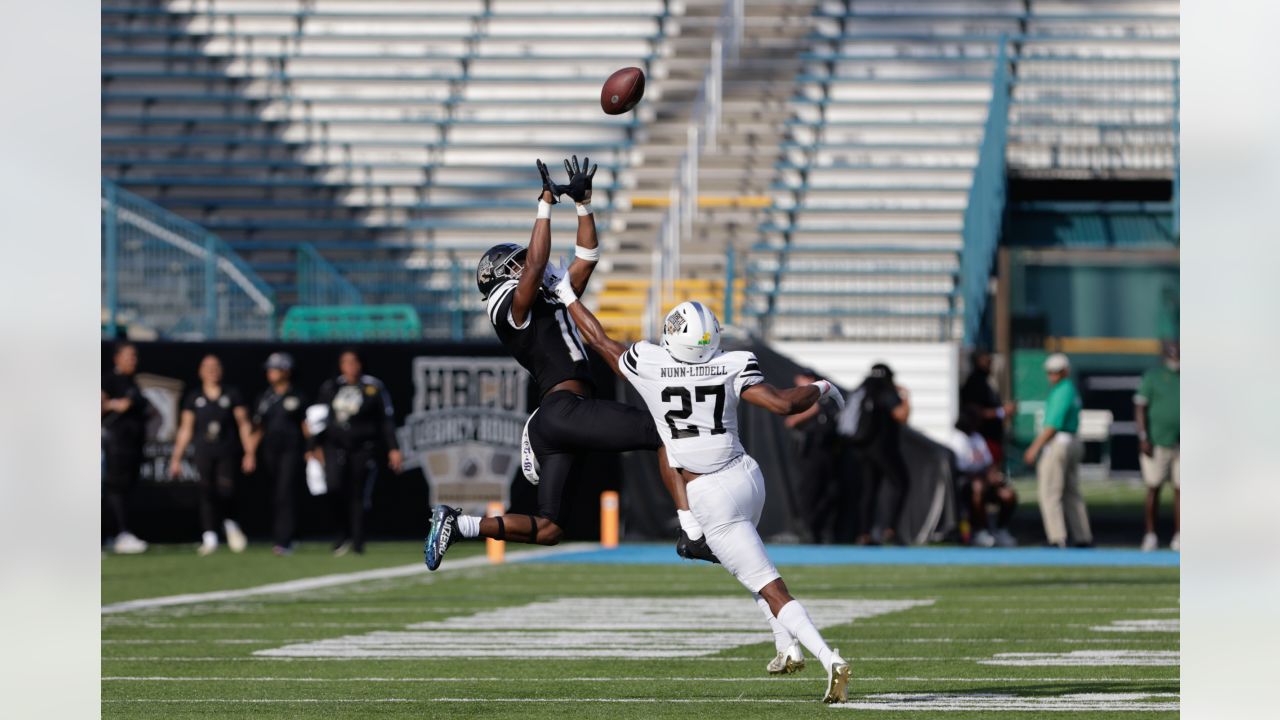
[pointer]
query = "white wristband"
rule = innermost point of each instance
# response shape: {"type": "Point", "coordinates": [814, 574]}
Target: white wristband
{"type": "Point", "coordinates": [584, 209]}
{"type": "Point", "coordinates": [588, 254]}
{"type": "Point", "coordinates": [564, 291]}
{"type": "Point", "coordinates": [544, 210]}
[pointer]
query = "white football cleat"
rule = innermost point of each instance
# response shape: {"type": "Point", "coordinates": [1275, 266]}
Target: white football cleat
{"type": "Point", "coordinates": [837, 680]}
{"type": "Point", "coordinates": [789, 661]}
{"type": "Point", "coordinates": [1004, 539]}
{"type": "Point", "coordinates": [208, 544]}
{"type": "Point", "coordinates": [126, 543]}
{"type": "Point", "coordinates": [982, 538]}
{"type": "Point", "coordinates": [235, 537]}
{"type": "Point", "coordinates": [1150, 542]}
{"type": "Point", "coordinates": [1176, 543]}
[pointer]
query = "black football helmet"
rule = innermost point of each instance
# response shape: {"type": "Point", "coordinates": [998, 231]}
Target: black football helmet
{"type": "Point", "coordinates": [499, 264]}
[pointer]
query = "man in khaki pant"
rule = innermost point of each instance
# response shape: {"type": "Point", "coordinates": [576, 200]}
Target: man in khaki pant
{"type": "Point", "coordinates": [1059, 452]}
{"type": "Point", "coordinates": [1156, 408]}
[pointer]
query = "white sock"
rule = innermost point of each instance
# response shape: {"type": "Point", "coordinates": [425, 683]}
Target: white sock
{"type": "Point", "coordinates": [689, 524]}
{"type": "Point", "coordinates": [230, 526]}
{"type": "Point", "coordinates": [469, 525]}
{"type": "Point", "coordinates": [209, 538]}
{"type": "Point", "coordinates": [796, 620]}
{"type": "Point", "coordinates": [782, 638]}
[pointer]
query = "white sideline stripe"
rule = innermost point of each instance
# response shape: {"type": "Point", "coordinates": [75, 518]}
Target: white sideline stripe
{"type": "Point", "coordinates": [1166, 625]}
{"type": "Point", "coordinates": [324, 581]}
{"type": "Point", "coordinates": [254, 658]}
{"type": "Point", "coordinates": [682, 678]}
{"type": "Point", "coordinates": [1087, 658]}
{"type": "Point", "coordinates": [1074, 702]}
{"type": "Point", "coordinates": [1116, 702]}
{"type": "Point", "coordinates": [286, 701]}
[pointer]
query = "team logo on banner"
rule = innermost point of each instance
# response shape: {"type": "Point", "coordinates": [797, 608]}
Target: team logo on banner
{"type": "Point", "coordinates": [464, 428]}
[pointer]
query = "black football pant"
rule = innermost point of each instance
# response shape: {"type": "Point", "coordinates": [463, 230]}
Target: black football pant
{"type": "Point", "coordinates": [350, 474]}
{"type": "Point", "coordinates": [285, 468]}
{"type": "Point", "coordinates": [567, 426]}
{"type": "Point", "coordinates": [217, 488]}
{"type": "Point", "coordinates": [121, 468]}
{"type": "Point", "coordinates": [884, 487]}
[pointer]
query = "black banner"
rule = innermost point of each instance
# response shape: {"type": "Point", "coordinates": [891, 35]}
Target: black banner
{"type": "Point", "coordinates": [459, 412]}
{"type": "Point", "coordinates": [446, 396]}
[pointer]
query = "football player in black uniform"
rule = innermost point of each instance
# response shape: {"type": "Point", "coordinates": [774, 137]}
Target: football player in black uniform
{"type": "Point", "coordinates": [539, 333]}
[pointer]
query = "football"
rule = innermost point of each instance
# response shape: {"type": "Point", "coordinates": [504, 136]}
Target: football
{"type": "Point", "coordinates": [622, 91]}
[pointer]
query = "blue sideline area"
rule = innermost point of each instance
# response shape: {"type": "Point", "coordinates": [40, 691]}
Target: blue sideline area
{"type": "Point", "coordinates": [664, 554]}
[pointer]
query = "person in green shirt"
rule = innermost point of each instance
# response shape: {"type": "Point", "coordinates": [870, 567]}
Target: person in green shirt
{"type": "Point", "coordinates": [1056, 452]}
{"type": "Point", "coordinates": [1157, 407]}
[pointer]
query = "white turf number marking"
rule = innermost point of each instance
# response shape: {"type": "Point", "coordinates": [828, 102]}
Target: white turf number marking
{"type": "Point", "coordinates": [587, 627]}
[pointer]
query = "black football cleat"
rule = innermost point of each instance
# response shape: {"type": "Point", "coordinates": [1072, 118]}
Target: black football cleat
{"type": "Point", "coordinates": [443, 533]}
{"type": "Point", "coordinates": [695, 549]}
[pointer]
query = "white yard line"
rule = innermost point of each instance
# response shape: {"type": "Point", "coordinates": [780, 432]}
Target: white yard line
{"type": "Point", "coordinates": [595, 679]}
{"type": "Point", "coordinates": [324, 581]}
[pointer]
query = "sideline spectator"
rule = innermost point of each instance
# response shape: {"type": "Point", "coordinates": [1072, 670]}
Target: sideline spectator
{"type": "Point", "coordinates": [124, 422]}
{"type": "Point", "coordinates": [813, 437]}
{"type": "Point", "coordinates": [360, 429]}
{"type": "Point", "coordinates": [879, 409]}
{"type": "Point", "coordinates": [981, 482]}
{"type": "Point", "coordinates": [978, 393]}
{"type": "Point", "coordinates": [1157, 405]}
{"type": "Point", "coordinates": [1059, 452]}
{"type": "Point", "coordinates": [212, 415]}
{"type": "Point", "coordinates": [281, 440]}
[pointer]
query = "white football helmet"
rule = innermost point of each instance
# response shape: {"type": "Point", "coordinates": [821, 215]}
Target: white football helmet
{"type": "Point", "coordinates": [691, 333]}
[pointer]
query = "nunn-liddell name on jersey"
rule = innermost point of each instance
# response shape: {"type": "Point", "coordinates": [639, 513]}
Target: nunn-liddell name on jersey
{"type": "Point", "coordinates": [684, 371]}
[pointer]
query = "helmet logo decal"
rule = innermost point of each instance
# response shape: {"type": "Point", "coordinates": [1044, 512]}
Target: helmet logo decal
{"type": "Point", "coordinates": [675, 324]}
{"type": "Point", "coordinates": [706, 338]}
{"type": "Point", "coordinates": [485, 271]}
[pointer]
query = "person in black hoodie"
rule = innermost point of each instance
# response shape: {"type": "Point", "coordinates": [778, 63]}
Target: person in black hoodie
{"type": "Point", "coordinates": [876, 439]}
{"type": "Point", "coordinates": [359, 433]}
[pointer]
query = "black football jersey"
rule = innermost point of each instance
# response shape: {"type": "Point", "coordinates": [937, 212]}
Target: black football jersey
{"type": "Point", "coordinates": [548, 344]}
{"type": "Point", "coordinates": [216, 432]}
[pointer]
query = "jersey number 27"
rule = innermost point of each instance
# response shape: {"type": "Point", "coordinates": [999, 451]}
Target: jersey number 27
{"type": "Point", "coordinates": [700, 394]}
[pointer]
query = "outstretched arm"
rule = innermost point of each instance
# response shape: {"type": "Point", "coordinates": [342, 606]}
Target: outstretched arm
{"type": "Point", "coordinates": [591, 329]}
{"type": "Point", "coordinates": [587, 252]}
{"type": "Point", "coordinates": [791, 400]}
{"type": "Point", "coordinates": [782, 402]}
{"type": "Point", "coordinates": [535, 263]}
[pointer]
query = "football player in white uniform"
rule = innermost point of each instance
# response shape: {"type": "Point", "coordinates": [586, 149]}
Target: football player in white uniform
{"type": "Point", "coordinates": [692, 390]}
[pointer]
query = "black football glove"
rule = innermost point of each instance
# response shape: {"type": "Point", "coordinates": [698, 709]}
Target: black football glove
{"type": "Point", "coordinates": [579, 187]}
{"type": "Point", "coordinates": [548, 186]}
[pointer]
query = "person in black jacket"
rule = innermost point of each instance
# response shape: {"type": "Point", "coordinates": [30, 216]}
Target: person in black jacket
{"type": "Point", "coordinates": [813, 437]}
{"type": "Point", "coordinates": [359, 432]}
{"type": "Point", "coordinates": [877, 446]}
{"type": "Point", "coordinates": [281, 443]}
{"type": "Point", "coordinates": [124, 420]}
{"type": "Point", "coordinates": [216, 418]}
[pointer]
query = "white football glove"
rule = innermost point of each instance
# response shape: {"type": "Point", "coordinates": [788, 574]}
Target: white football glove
{"type": "Point", "coordinates": [564, 291]}
{"type": "Point", "coordinates": [552, 275]}
{"type": "Point", "coordinates": [828, 391]}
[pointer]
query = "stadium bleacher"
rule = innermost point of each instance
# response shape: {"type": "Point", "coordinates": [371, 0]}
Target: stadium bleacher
{"type": "Point", "coordinates": [396, 134]}
{"type": "Point", "coordinates": [868, 227]}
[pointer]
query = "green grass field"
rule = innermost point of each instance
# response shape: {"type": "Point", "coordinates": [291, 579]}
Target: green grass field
{"type": "Point", "coordinates": [474, 640]}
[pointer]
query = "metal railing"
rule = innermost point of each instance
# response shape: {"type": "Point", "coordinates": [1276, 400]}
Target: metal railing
{"type": "Point", "coordinates": [168, 275]}
{"type": "Point", "coordinates": [320, 283]}
{"type": "Point", "coordinates": [984, 213]}
{"type": "Point", "coordinates": [704, 123]}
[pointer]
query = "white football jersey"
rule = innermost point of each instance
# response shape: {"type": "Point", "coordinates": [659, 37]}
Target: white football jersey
{"type": "Point", "coordinates": [694, 406]}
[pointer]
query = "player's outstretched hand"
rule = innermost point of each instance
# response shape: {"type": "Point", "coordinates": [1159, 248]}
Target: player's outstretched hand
{"type": "Point", "coordinates": [548, 186]}
{"type": "Point", "coordinates": [579, 187]}
{"type": "Point", "coordinates": [828, 391]}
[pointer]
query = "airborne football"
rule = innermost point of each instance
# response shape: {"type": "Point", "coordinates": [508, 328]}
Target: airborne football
{"type": "Point", "coordinates": [640, 359]}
